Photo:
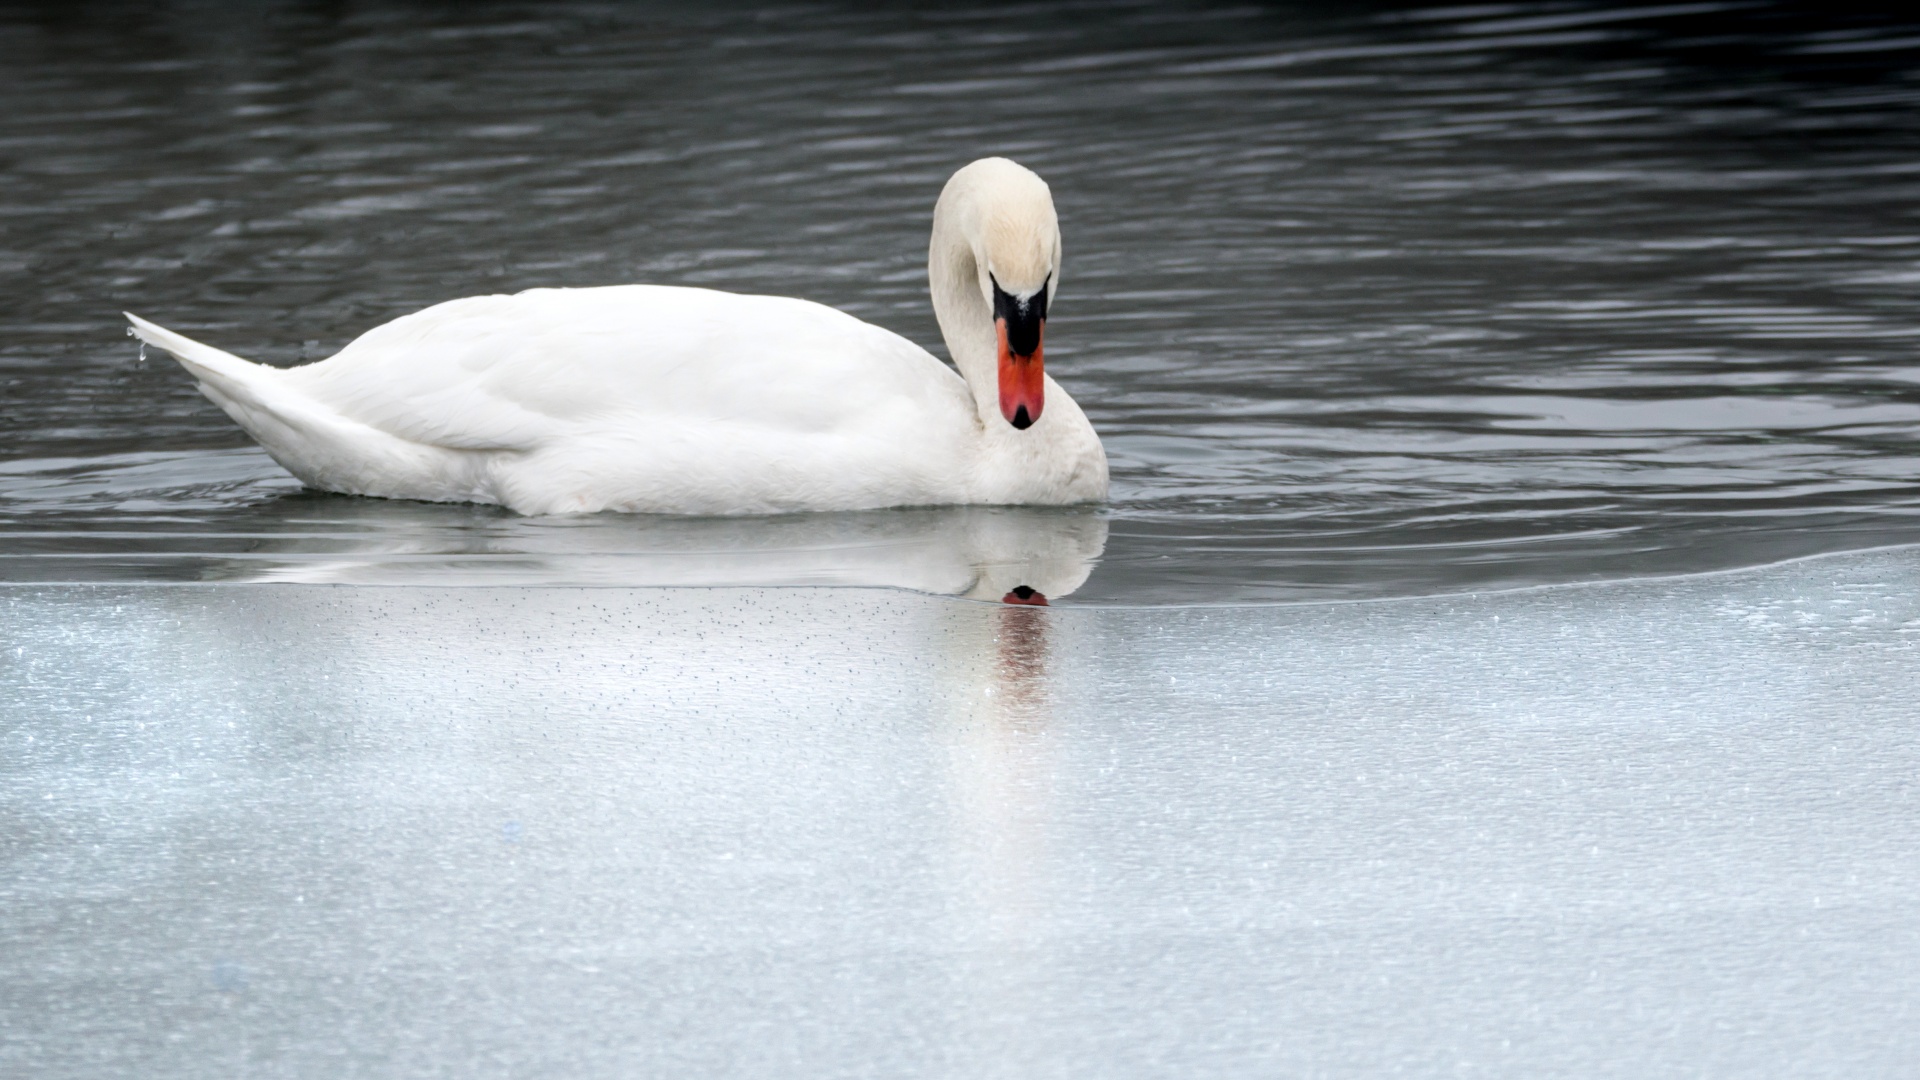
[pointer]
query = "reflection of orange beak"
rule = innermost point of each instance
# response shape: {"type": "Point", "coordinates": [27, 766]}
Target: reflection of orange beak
{"type": "Point", "coordinates": [1023, 382]}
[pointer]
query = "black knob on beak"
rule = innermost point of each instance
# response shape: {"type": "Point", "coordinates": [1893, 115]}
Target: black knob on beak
{"type": "Point", "coordinates": [1023, 317]}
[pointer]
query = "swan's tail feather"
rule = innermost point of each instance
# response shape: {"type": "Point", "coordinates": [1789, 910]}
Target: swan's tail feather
{"type": "Point", "coordinates": [282, 420]}
{"type": "Point", "coordinates": [229, 377]}
{"type": "Point", "coordinates": [309, 438]}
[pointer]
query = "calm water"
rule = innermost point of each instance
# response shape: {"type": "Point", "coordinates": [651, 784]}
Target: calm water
{"type": "Point", "coordinates": [1364, 302]}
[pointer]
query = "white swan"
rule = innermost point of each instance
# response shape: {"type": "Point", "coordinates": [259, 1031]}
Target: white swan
{"type": "Point", "coordinates": [657, 399]}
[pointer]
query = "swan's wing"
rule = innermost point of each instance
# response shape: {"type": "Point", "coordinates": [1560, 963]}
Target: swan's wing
{"type": "Point", "coordinates": [518, 372]}
{"type": "Point", "coordinates": [451, 375]}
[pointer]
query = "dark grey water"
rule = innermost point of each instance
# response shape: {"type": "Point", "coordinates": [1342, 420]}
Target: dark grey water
{"type": "Point", "coordinates": [1364, 301]}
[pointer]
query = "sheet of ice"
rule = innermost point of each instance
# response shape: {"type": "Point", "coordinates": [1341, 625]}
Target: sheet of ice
{"type": "Point", "coordinates": [1656, 828]}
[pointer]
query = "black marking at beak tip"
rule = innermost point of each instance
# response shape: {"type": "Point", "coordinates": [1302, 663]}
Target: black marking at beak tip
{"type": "Point", "coordinates": [1023, 318]}
{"type": "Point", "coordinates": [1021, 421]}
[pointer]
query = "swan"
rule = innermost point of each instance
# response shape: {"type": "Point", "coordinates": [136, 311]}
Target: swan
{"type": "Point", "coordinates": [671, 400]}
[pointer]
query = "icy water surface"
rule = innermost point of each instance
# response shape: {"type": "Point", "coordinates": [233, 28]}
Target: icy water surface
{"type": "Point", "coordinates": [1365, 301]}
{"type": "Point", "coordinates": [1644, 829]}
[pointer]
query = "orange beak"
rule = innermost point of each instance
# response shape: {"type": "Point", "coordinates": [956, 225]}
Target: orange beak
{"type": "Point", "coordinates": [1023, 380]}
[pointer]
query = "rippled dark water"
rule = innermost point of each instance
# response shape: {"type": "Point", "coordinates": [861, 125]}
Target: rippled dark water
{"type": "Point", "coordinates": [1364, 301]}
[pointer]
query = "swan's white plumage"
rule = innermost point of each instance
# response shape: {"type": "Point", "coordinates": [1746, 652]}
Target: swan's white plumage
{"type": "Point", "coordinates": [657, 399]}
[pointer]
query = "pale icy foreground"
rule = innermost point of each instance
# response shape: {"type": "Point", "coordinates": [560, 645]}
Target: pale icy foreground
{"type": "Point", "coordinates": [1664, 828]}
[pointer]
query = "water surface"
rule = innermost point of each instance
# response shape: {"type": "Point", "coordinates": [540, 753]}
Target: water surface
{"type": "Point", "coordinates": [1365, 302]}
{"type": "Point", "coordinates": [1639, 829]}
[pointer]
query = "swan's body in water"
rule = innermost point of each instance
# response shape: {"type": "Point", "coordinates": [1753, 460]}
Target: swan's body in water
{"type": "Point", "coordinates": [658, 399]}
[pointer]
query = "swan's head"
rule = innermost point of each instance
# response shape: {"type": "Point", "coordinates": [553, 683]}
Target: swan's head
{"type": "Point", "coordinates": [1005, 215]}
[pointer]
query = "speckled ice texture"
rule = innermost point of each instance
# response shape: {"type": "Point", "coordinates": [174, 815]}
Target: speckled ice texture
{"type": "Point", "coordinates": [1649, 829]}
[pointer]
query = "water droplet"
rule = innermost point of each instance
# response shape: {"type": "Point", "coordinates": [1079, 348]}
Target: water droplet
{"type": "Point", "coordinates": [143, 353]}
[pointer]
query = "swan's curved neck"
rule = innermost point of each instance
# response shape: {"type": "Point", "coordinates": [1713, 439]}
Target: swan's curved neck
{"type": "Point", "coordinates": [966, 322]}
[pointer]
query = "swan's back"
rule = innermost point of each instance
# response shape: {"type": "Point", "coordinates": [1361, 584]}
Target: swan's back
{"type": "Point", "coordinates": [633, 397]}
{"type": "Point", "coordinates": [513, 371]}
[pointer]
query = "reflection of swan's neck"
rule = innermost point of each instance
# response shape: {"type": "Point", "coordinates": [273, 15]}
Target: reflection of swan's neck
{"type": "Point", "coordinates": [1022, 667]}
{"type": "Point", "coordinates": [966, 322]}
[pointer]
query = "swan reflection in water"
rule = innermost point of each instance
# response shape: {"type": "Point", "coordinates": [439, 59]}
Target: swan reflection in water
{"type": "Point", "coordinates": [997, 687]}
{"type": "Point", "coordinates": [1024, 556]}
